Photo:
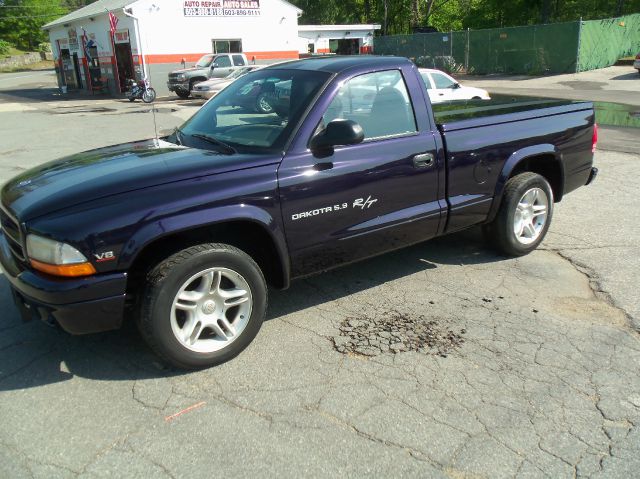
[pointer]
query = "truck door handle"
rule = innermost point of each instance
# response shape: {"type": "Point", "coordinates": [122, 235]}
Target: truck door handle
{"type": "Point", "coordinates": [424, 160]}
{"type": "Point", "coordinates": [323, 166]}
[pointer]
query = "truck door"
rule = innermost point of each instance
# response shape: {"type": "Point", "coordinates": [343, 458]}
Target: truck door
{"type": "Point", "coordinates": [221, 66]}
{"type": "Point", "coordinates": [363, 199]}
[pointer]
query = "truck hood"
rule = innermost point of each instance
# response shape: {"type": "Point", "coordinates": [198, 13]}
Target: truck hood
{"type": "Point", "coordinates": [111, 171]}
{"type": "Point", "coordinates": [188, 70]}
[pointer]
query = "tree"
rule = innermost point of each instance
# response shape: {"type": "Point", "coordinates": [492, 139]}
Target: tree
{"type": "Point", "coordinates": [21, 21]}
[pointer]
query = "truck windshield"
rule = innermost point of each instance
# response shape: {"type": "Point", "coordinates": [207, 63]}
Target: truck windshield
{"type": "Point", "coordinates": [256, 113]}
{"type": "Point", "coordinates": [205, 61]}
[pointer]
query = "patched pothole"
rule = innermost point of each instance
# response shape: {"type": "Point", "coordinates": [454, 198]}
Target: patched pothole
{"type": "Point", "coordinates": [394, 332]}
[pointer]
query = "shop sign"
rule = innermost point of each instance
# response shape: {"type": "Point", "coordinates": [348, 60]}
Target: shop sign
{"type": "Point", "coordinates": [121, 36]}
{"type": "Point", "coordinates": [72, 35]}
{"type": "Point", "coordinates": [221, 8]}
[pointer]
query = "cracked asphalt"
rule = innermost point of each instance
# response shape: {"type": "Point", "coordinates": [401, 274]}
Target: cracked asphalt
{"type": "Point", "coordinates": [531, 366]}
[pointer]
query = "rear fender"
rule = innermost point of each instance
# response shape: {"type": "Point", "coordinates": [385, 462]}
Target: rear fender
{"type": "Point", "coordinates": [516, 162]}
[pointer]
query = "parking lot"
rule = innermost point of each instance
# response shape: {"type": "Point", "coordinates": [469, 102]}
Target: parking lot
{"type": "Point", "coordinates": [439, 360]}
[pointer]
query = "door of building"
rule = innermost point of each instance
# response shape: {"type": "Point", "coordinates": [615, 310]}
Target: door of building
{"type": "Point", "coordinates": [345, 46]}
{"type": "Point", "coordinates": [125, 64]}
{"type": "Point", "coordinates": [68, 71]}
{"type": "Point", "coordinates": [76, 69]}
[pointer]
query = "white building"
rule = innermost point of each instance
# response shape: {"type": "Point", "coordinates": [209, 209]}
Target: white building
{"type": "Point", "coordinates": [165, 33]}
{"type": "Point", "coordinates": [338, 39]}
{"type": "Point", "coordinates": [153, 37]}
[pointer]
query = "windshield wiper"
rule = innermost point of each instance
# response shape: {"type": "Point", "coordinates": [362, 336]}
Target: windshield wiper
{"type": "Point", "coordinates": [228, 149]}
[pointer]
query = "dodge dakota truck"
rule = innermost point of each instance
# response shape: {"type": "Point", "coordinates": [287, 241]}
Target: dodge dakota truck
{"type": "Point", "coordinates": [184, 233]}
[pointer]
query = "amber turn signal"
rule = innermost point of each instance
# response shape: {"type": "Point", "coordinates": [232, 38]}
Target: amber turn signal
{"type": "Point", "coordinates": [68, 270]}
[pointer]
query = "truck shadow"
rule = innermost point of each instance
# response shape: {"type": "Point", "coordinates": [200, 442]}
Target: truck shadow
{"type": "Point", "coordinates": [33, 354]}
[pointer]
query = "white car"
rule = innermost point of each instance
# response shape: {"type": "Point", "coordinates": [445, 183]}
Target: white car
{"type": "Point", "coordinates": [212, 87]}
{"type": "Point", "coordinates": [442, 87]}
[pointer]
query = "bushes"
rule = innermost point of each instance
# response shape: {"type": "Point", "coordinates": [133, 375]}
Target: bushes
{"type": "Point", "coordinates": [4, 47]}
{"type": "Point", "coordinates": [44, 47]}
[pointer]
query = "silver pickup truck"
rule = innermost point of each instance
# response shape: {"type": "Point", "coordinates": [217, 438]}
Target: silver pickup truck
{"type": "Point", "coordinates": [209, 66]}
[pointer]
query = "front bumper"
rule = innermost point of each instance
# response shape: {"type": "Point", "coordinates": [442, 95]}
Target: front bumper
{"type": "Point", "coordinates": [178, 86]}
{"type": "Point", "coordinates": [79, 306]}
{"type": "Point", "coordinates": [203, 94]}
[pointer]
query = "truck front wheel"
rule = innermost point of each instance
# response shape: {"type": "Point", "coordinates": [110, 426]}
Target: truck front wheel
{"type": "Point", "coordinates": [203, 305]}
{"type": "Point", "coordinates": [524, 216]}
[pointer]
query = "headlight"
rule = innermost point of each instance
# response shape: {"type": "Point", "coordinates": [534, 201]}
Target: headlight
{"type": "Point", "coordinates": [181, 77]}
{"type": "Point", "coordinates": [56, 258]}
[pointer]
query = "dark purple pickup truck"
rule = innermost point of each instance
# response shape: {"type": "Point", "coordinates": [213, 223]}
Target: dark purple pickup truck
{"type": "Point", "coordinates": [184, 233]}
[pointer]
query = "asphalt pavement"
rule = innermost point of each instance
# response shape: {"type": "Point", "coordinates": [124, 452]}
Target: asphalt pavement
{"type": "Point", "coordinates": [525, 367]}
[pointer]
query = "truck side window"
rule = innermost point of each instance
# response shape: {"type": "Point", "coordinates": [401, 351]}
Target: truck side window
{"type": "Point", "coordinates": [378, 101]}
{"type": "Point", "coordinates": [222, 62]}
{"type": "Point", "coordinates": [238, 60]}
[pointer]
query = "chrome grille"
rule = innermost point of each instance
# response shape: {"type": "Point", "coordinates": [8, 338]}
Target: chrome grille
{"type": "Point", "coordinates": [11, 231]}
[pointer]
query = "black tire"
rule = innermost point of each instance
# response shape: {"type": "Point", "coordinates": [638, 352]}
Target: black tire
{"type": "Point", "coordinates": [149, 95]}
{"type": "Point", "coordinates": [164, 282]}
{"type": "Point", "coordinates": [500, 233]}
{"type": "Point", "coordinates": [262, 103]}
{"type": "Point", "coordinates": [183, 94]}
{"type": "Point", "coordinates": [132, 99]}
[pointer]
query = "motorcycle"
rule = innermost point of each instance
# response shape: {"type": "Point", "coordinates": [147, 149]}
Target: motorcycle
{"type": "Point", "coordinates": [140, 90]}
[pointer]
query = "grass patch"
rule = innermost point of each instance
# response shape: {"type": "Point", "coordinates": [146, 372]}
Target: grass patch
{"type": "Point", "coordinates": [42, 65]}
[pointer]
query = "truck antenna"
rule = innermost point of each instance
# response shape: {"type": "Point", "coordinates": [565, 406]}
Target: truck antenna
{"type": "Point", "coordinates": [155, 124]}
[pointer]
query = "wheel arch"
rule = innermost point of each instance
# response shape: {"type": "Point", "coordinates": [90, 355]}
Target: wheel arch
{"type": "Point", "coordinates": [258, 239]}
{"type": "Point", "coordinates": [544, 160]}
{"type": "Point", "coordinates": [196, 79]}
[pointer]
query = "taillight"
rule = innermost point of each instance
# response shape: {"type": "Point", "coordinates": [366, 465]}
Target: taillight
{"type": "Point", "coordinates": [594, 138]}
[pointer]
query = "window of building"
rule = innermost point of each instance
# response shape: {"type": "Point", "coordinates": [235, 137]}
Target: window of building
{"type": "Point", "coordinates": [227, 46]}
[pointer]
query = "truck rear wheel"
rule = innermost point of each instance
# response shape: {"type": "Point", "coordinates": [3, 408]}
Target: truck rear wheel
{"type": "Point", "coordinates": [203, 305]}
{"type": "Point", "coordinates": [524, 216]}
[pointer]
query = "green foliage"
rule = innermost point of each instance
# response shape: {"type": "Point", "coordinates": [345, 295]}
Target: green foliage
{"type": "Point", "coordinates": [21, 21]}
{"type": "Point", "coordinates": [5, 47]}
{"type": "Point", "coordinates": [44, 47]}
{"type": "Point", "coordinates": [399, 16]}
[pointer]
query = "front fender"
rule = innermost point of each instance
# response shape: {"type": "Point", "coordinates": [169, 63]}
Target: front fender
{"type": "Point", "coordinates": [512, 164]}
{"type": "Point", "coordinates": [167, 226]}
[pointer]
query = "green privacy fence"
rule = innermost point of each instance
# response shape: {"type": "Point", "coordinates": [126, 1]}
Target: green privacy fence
{"type": "Point", "coordinates": [602, 42]}
{"type": "Point", "coordinates": [536, 49]}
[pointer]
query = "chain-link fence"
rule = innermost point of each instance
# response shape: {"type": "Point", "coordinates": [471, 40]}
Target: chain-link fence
{"type": "Point", "coordinates": [532, 50]}
{"type": "Point", "coordinates": [602, 42]}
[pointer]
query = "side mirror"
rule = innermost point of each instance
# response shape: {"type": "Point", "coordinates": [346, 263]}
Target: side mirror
{"type": "Point", "coordinates": [455, 86]}
{"type": "Point", "coordinates": [338, 132]}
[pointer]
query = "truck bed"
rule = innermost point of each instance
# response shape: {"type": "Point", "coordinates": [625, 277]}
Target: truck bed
{"type": "Point", "coordinates": [481, 136]}
{"type": "Point", "coordinates": [458, 115]}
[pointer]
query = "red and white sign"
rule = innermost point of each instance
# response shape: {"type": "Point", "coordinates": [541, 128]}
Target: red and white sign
{"type": "Point", "coordinates": [221, 8]}
{"type": "Point", "coordinates": [121, 36]}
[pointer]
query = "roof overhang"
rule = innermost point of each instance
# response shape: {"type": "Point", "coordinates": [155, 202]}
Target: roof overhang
{"type": "Point", "coordinates": [327, 28]}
